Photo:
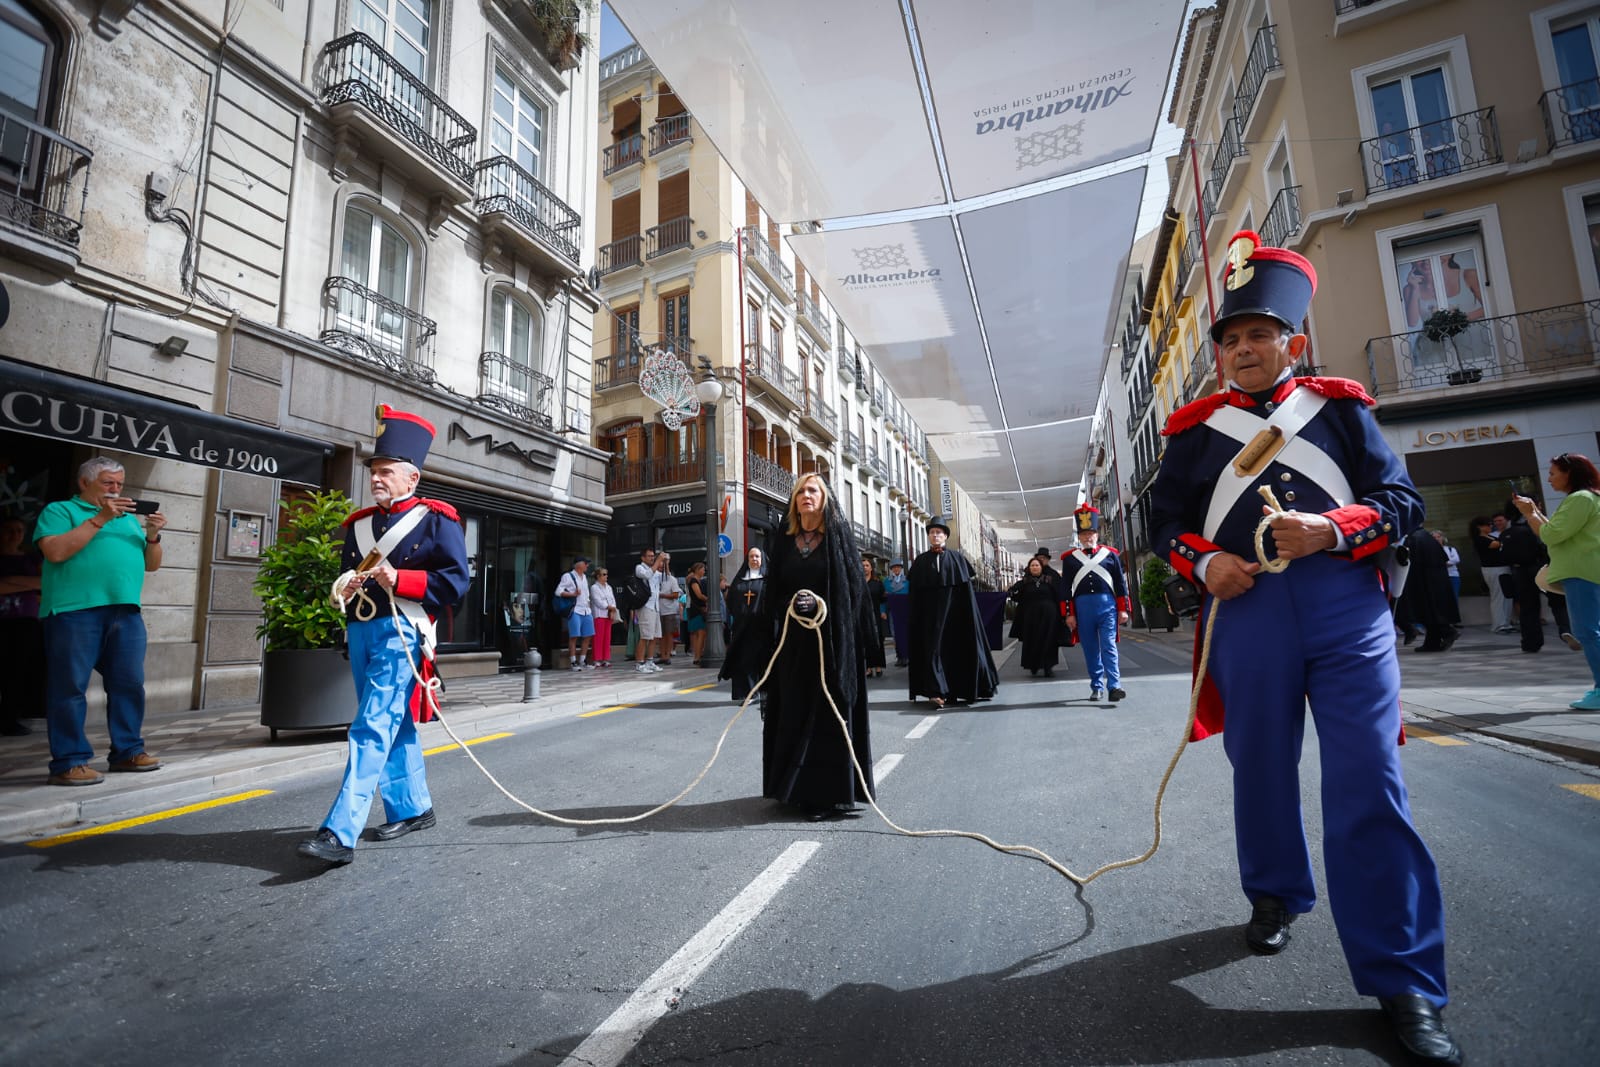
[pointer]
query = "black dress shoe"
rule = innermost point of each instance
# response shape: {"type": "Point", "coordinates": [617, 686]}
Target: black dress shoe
{"type": "Point", "coordinates": [1118, 694]}
{"type": "Point", "coordinates": [325, 847]}
{"type": "Point", "coordinates": [391, 830]}
{"type": "Point", "coordinates": [1420, 1028]}
{"type": "Point", "coordinates": [1267, 933]}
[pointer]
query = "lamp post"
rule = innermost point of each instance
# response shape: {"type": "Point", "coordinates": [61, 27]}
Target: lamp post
{"type": "Point", "coordinates": [709, 390]}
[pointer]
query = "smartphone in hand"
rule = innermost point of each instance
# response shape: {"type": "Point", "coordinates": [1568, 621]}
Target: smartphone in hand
{"type": "Point", "coordinates": [146, 507]}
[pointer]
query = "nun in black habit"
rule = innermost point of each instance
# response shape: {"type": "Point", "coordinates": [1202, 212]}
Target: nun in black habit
{"type": "Point", "coordinates": [950, 657]}
{"type": "Point", "coordinates": [745, 603]}
{"type": "Point", "coordinates": [805, 760]}
{"type": "Point", "coordinates": [1037, 623]}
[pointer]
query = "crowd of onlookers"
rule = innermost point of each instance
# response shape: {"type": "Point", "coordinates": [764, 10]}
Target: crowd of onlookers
{"type": "Point", "coordinates": [657, 609]}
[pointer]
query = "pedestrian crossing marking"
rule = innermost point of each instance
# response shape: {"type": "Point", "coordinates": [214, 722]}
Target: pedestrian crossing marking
{"type": "Point", "coordinates": [123, 824]}
{"type": "Point", "coordinates": [1422, 733]}
{"type": "Point", "coordinates": [1588, 789]}
{"type": "Point", "coordinates": [605, 711]}
{"type": "Point", "coordinates": [474, 741]}
{"type": "Point", "coordinates": [697, 688]}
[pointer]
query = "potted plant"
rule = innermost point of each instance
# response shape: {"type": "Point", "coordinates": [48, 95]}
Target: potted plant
{"type": "Point", "coordinates": [305, 674]}
{"type": "Point", "coordinates": [1152, 596]}
{"type": "Point", "coordinates": [1440, 328]}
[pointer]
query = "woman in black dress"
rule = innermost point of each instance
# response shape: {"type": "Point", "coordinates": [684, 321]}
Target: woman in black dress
{"type": "Point", "coordinates": [805, 760]}
{"type": "Point", "coordinates": [877, 624]}
{"type": "Point", "coordinates": [744, 601]}
{"type": "Point", "coordinates": [1038, 620]}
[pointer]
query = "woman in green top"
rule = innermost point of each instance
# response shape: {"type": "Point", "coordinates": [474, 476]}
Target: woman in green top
{"type": "Point", "coordinates": [1572, 535]}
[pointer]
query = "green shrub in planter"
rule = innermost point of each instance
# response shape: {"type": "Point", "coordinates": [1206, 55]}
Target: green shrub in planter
{"type": "Point", "coordinates": [297, 571]}
{"type": "Point", "coordinates": [1155, 575]}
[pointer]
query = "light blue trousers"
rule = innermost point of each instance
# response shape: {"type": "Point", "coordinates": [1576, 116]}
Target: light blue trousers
{"type": "Point", "coordinates": [1097, 633]}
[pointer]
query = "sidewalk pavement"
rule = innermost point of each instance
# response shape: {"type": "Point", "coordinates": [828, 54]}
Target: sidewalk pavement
{"type": "Point", "coordinates": [1484, 685]}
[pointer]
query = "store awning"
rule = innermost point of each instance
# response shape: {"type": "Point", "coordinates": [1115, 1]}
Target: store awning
{"type": "Point", "coordinates": [65, 407]}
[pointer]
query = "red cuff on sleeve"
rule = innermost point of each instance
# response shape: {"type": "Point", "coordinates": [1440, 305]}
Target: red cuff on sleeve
{"type": "Point", "coordinates": [1186, 550]}
{"type": "Point", "coordinates": [1124, 605]}
{"type": "Point", "coordinates": [413, 585]}
{"type": "Point", "coordinates": [1363, 528]}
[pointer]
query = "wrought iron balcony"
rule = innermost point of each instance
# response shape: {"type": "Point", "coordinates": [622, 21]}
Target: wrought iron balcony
{"type": "Point", "coordinates": [367, 325]}
{"type": "Point", "coordinates": [772, 375]}
{"type": "Point", "coordinates": [669, 236]}
{"type": "Point", "coordinates": [851, 446]}
{"type": "Point", "coordinates": [765, 259]}
{"type": "Point", "coordinates": [674, 129]}
{"type": "Point", "coordinates": [860, 532]}
{"type": "Point", "coordinates": [813, 317]}
{"type": "Point", "coordinates": [1282, 220]}
{"type": "Point", "coordinates": [622, 365]}
{"type": "Point", "coordinates": [877, 398]}
{"type": "Point", "coordinates": [354, 69]}
{"type": "Point", "coordinates": [1210, 193]}
{"type": "Point", "coordinates": [618, 255]}
{"type": "Point", "coordinates": [769, 476]}
{"type": "Point", "coordinates": [1229, 149]}
{"type": "Point", "coordinates": [1309, 370]}
{"type": "Point", "coordinates": [1455, 145]}
{"type": "Point", "coordinates": [821, 414]}
{"type": "Point", "coordinates": [515, 388]}
{"type": "Point", "coordinates": [1554, 341]}
{"type": "Point", "coordinates": [505, 190]}
{"type": "Point", "coordinates": [44, 186]}
{"type": "Point", "coordinates": [1262, 60]}
{"type": "Point", "coordinates": [637, 475]}
{"type": "Point", "coordinates": [1571, 114]}
{"type": "Point", "coordinates": [1188, 255]}
{"type": "Point", "coordinates": [846, 361]}
{"type": "Point", "coordinates": [621, 155]}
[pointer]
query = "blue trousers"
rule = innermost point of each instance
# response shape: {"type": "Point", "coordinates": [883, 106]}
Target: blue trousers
{"type": "Point", "coordinates": [110, 640]}
{"type": "Point", "coordinates": [1583, 609]}
{"type": "Point", "coordinates": [1321, 631]}
{"type": "Point", "coordinates": [384, 752]}
{"type": "Point", "coordinates": [1097, 633]}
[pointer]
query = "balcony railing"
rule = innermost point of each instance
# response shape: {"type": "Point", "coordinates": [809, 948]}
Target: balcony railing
{"type": "Point", "coordinates": [515, 388]}
{"type": "Point", "coordinates": [670, 236]}
{"type": "Point", "coordinates": [1282, 220]}
{"type": "Point", "coordinates": [1502, 349]}
{"type": "Point", "coordinates": [1262, 60]}
{"type": "Point", "coordinates": [1571, 113]}
{"type": "Point", "coordinates": [1210, 192]}
{"type": "Point", "coordinates": [821, 412]}
{"type": "Point", "coordinates": [1455, 145]}
{"type": "Point", "coordinates": [811, 314]}
{"type": "Point", "coordinates": [674, 129]}
{"type": "Point", "coordinates": [1187, 255]}
{"type": "Point", "coordinates": [376, 330]}
{"type": "Point", "coordinates": [503, 185]}
{"type": "Point", "coordinates": [877, 398]}
{"type": "Point", "coordinates": [852, 446]}
{"type": "Point", "coordinates": [765, 474]}
{"type": "Point", "coordinates": [617, 62]}
{"type": "Point", "coordinates": [636, 475]}
{"type": "Point", "coordinates": [619, 254]}
{"type": "Point", "coordinates": [1228, 150]}
{"type": "Point", "coordinates": [846, 360]}
{"type": "Point", "coordinates": [44, 181]}
{"type": "Point", "coordinates": [766, 364]}
{"type": "Point", "coordinates": [621, 366]}
{"type": "Point", "coordinates": [766, 258]}
{"type": "Point", "coordinates": [622, 154]}
{"type": "Point", "coordinates": [355, 69]}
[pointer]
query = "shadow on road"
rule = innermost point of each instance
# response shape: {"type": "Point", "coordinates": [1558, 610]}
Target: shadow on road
{"type": "Point", "coordinates": [269, 850]}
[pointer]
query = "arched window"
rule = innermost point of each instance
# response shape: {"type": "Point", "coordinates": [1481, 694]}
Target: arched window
{"type": "Point", "coordinates": [376, 258]}
{"type": "Point", "coordinates": [514, 349]}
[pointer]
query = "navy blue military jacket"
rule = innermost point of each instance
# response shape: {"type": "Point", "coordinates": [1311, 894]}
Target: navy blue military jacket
{"type": "Point", "coordinates": [430, 563]}
{"type": "Point", "coordinates": [1382, 506]}
{"type": "Point", "coordinates": [1092, 582]}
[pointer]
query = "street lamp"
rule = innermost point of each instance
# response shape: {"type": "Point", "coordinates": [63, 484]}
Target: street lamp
{"type": "Point", "coordinates": [709, 390]}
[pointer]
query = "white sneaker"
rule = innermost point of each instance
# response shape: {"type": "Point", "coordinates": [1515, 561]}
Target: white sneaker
{"type": "Point", "coordinates": [654, 668]}
{"type": "Point", "coordinates": [589, 666]}
{"type": "Point", "coordinates": [642, 668]}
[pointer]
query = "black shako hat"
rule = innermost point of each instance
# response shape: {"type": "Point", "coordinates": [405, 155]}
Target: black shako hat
{"type": "Point", "coordinates": [402, 436]}
{"type": "Point", "coordinates": [1262, 280]}
{"type": "Point", "coordinates": [939, 522]}
{"type": "Point", "coordinates": [1086, 518]}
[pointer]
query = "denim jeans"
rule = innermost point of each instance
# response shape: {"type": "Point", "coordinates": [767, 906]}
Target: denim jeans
{"type": "Point", "coordinates": [1583, 605]}
{"type": "Point", "coordinates": [110, 640]}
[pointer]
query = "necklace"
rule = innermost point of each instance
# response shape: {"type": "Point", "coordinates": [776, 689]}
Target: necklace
{"type": "Point", "coordinates": [807, 541]}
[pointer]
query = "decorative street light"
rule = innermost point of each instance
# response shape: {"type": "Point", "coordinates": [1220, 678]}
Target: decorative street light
{"type": "Point", "coordinates": [709, 391]}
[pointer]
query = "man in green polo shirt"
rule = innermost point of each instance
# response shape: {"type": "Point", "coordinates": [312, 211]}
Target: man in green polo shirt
{"type": "Point", "coordinates": [96, 554]}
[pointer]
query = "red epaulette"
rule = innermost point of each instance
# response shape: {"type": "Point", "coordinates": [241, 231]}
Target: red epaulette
{"type": "Point", "coordinates": [1194, 413]}
{"type": "Point", "coordinates": [1338, 389]}
{"type": "Point", "coordinates": [441, 507]}
{"type": "Point", "coordinates": [363, 513]}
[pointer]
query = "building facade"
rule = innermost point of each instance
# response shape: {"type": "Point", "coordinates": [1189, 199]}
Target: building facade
{"type": "Point", "coordinates": [235, 227]}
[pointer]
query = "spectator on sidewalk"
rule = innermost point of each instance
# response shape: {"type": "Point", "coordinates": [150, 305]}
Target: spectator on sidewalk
{"type": "Point", "coordinates": [898, 584]}
{"type": "Point", "coordinates": [1427, 600]}
{"type": "Point", "coordinates": [96, 555]}
{"type": "Point", "coordinates": [667, 592]}
{"type": "Point", "coordinates": [647, 617]}
{"type": "Point", "coordinates": [1525, 554]}
{"type": "Point", "coordinates": [580, 621]}
{"type": "Point", "coordinates": [21, 642]}
{"type": "Point", "coordinates": [1486, 543]}
{"type": "Point", "coordinates": [1572, 536]}
{"type": "Point", "coordinates": [695, 619]}
{"type": "Point", "coordinates": [1452, 563]}
{"type": "Point", "coordinates": [603, 599]}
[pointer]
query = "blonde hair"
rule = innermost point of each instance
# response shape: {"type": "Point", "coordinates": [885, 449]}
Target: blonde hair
{"type": "Point", "coordinates": [794, 494]}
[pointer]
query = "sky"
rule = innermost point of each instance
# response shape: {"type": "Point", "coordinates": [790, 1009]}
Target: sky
{"type": "Point", "coordinates": [1168, 138]}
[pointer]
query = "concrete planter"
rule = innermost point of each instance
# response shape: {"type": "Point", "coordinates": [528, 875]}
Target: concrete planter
{"type": "Point", "coordinates": [306, 689]}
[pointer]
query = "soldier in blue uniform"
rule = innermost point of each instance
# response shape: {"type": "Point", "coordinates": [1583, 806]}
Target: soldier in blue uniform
{"type": "Point", "coordinates": [410, 550]}
{"type": "Point", "coordinates": [1095, 594]}
{"type": "Point", "coordinates": [1319, 631]}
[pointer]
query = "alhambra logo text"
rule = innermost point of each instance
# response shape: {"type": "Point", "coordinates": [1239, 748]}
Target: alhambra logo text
{"type": "Point", "coordinates": [885, 266]}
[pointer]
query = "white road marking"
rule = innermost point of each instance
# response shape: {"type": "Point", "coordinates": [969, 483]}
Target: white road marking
{"type": "Point", "coordinates": [613, 1039]}
{"type": "Point", "coordinates": [922, 727]}
{"type": "Point", "coordinates": [881, 769]}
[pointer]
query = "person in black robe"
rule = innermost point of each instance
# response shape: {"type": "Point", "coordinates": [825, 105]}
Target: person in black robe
{"type": "Point", "coordinates": [878, 623]}
{"type": "Point", "coordinates": [1037, 622]}
{"type": "Point", "coordinates": [950, 657]}
{"type": "Point", "coordinates": [744, 600]}
{"type": "Point", "coordinates": [805, 761]}
{"type": "Point", "coordinates": [1428, 600]}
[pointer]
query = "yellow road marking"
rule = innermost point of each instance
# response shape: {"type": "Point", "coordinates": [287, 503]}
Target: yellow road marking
{"type": "Point", "coordinates": [1422, 733]}
{"type": "Point", "coordinates": [112, 827]}
{"type": "Point", "coordinates": [605, 711]}
{"type": "Point", "coordinates": [474, 741]}
{"type": "Point", "coordinates": [697, 688]}
{"type": "Point", "coordinates": [1587, 789]}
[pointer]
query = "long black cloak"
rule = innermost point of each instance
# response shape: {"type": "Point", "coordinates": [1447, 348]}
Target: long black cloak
{"type": "Point", "coordinates": [805, 761]}
{"type": "Point", "coordinates": [876, 624]}
{"type": "Point", "coordinates": [745, 603]}
{"type": "Point", "coordinates": [1428, 600]}
{"type": "Point", "coordinates": [949, 652]}
{"type": "Point", "coordinates": [1037, 622]}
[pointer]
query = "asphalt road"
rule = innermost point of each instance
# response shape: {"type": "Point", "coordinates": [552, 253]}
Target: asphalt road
{"type": "Point", "coordinates": [722, 932]}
